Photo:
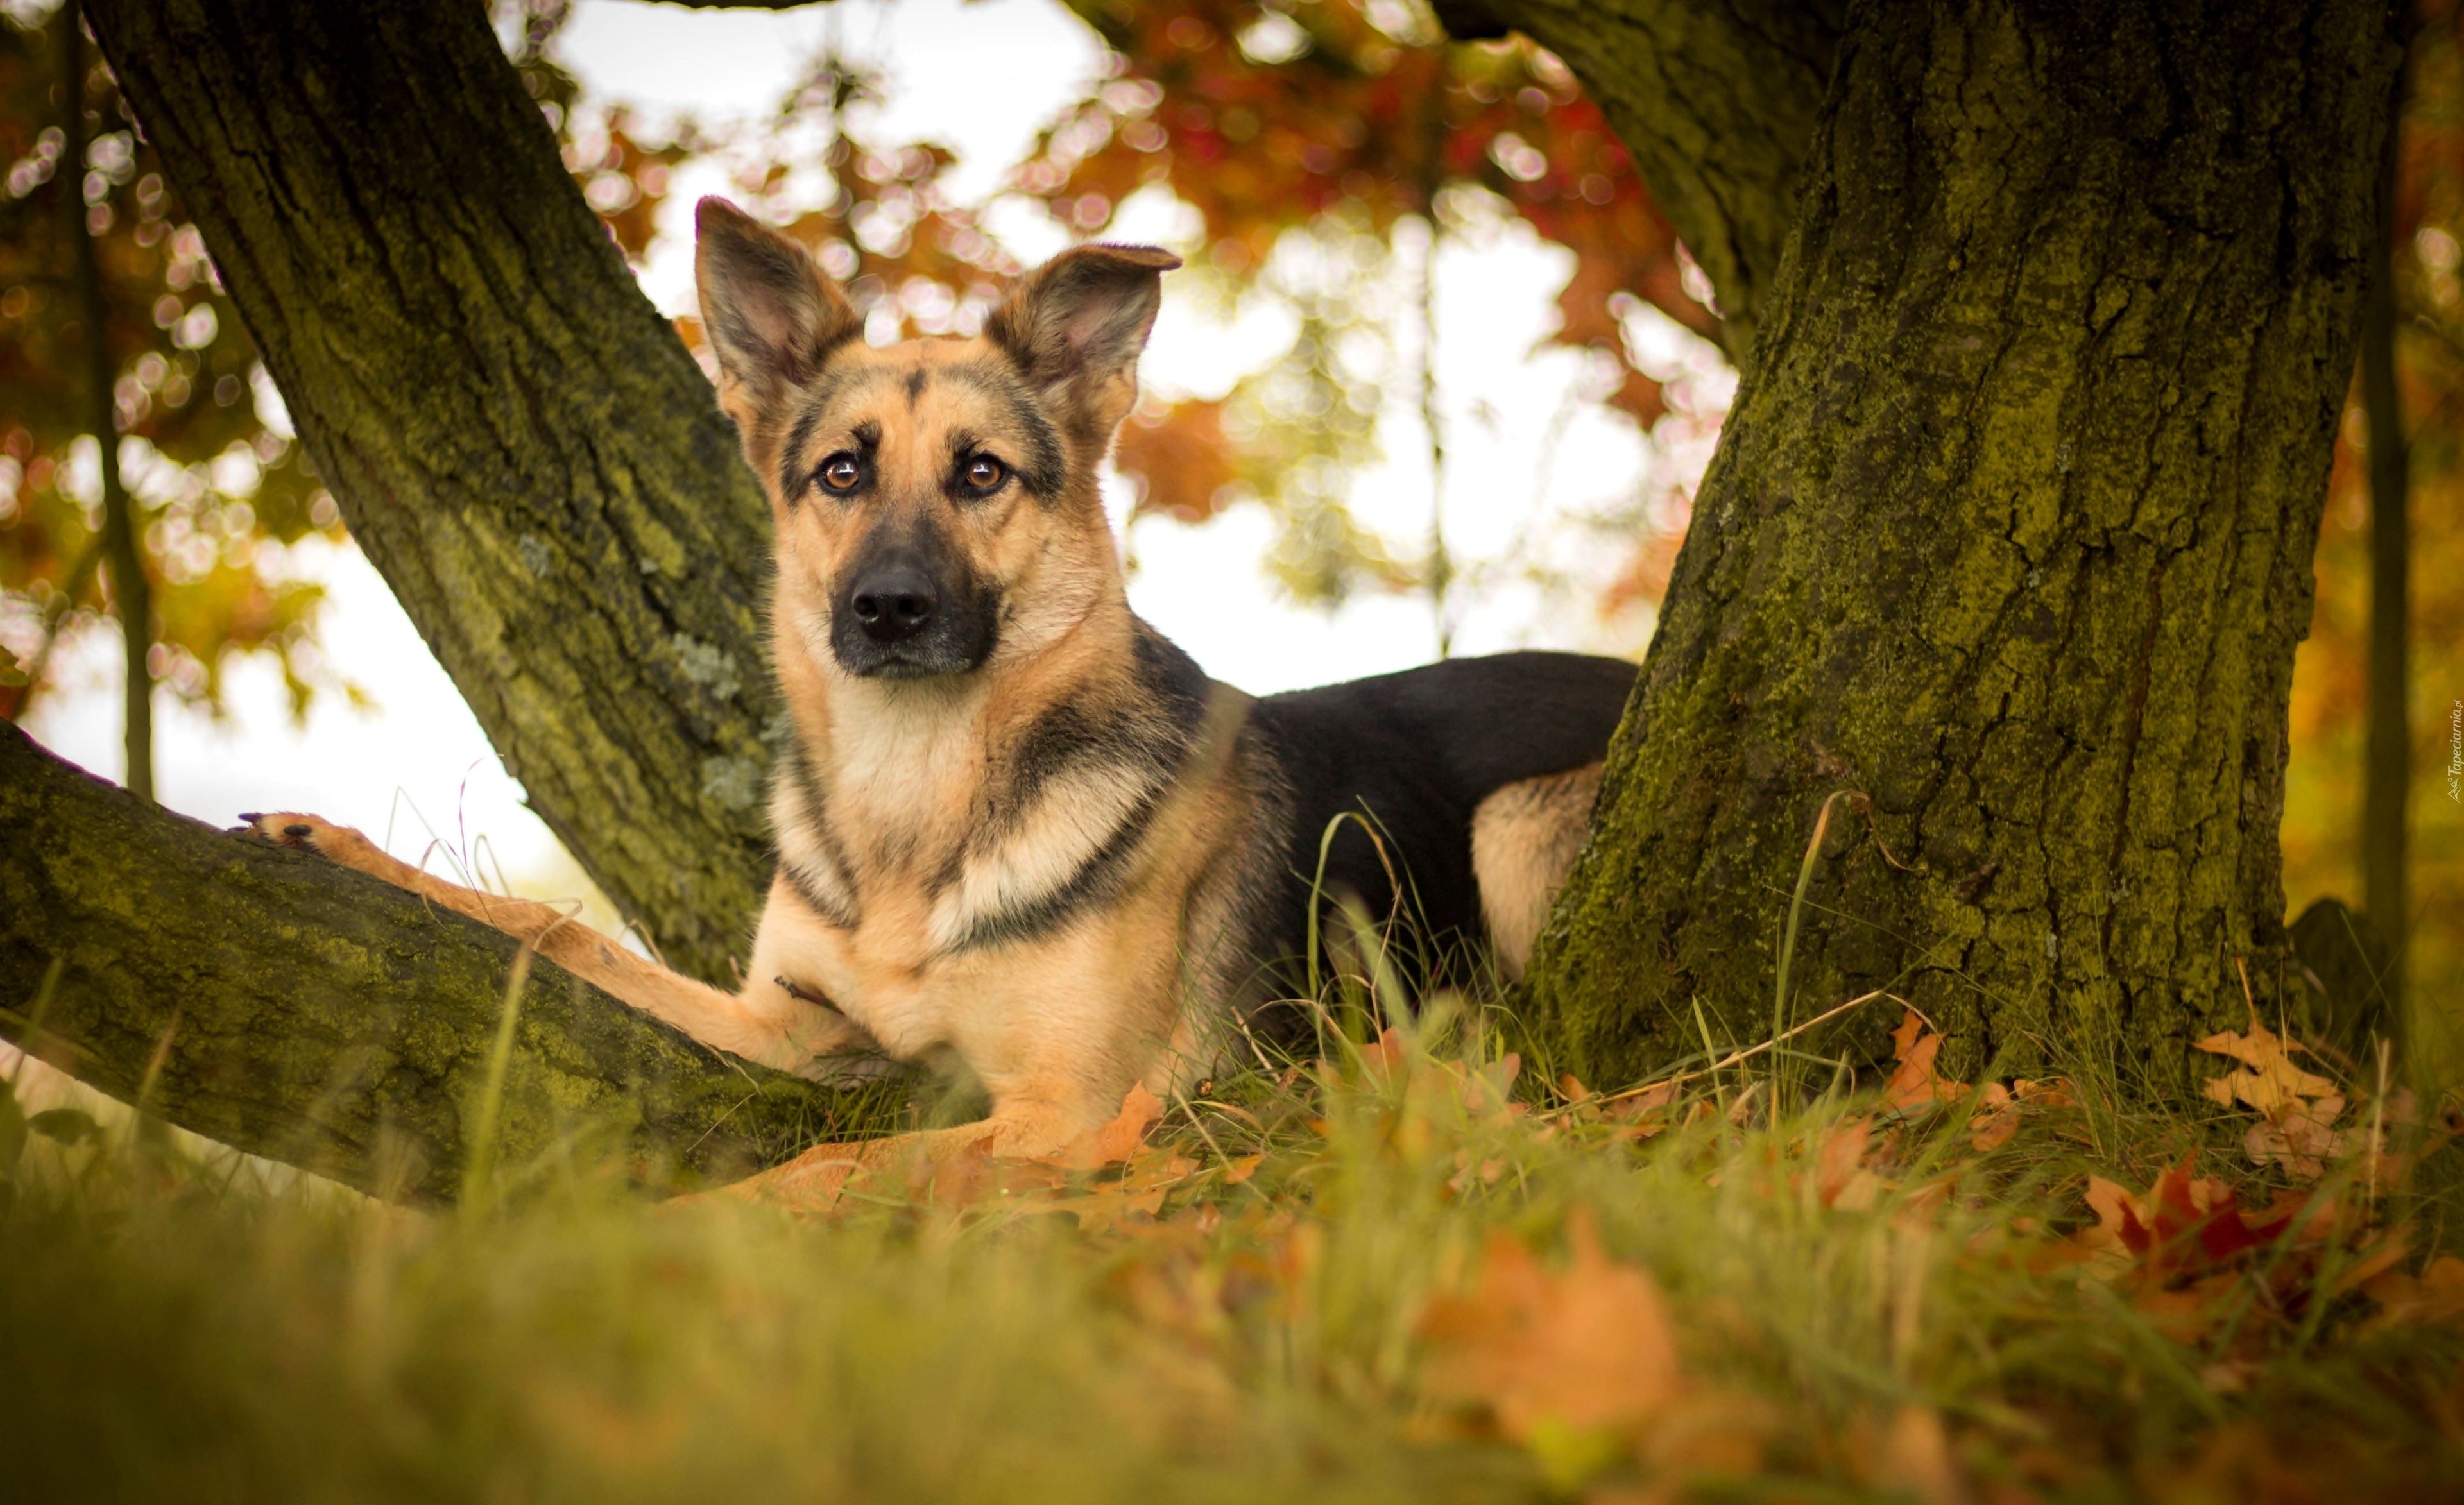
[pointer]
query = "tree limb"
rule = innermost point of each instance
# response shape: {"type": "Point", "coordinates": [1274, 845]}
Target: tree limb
{"type": "Point", "coordinates": [132, 594]}
{"type": "Point", "coordinates": [518, 441]}
{"type": "Point", "coordinates": [1717, 102]}
{"type": "Point", "coordinates": [297, 1010]}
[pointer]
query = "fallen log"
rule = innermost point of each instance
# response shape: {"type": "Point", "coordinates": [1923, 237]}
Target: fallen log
{"type": "Point", "coordinates": [276, 1003]}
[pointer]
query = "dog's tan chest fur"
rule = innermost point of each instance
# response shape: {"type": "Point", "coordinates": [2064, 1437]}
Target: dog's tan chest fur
{"type": "Point", "coordinates": [901, 827]}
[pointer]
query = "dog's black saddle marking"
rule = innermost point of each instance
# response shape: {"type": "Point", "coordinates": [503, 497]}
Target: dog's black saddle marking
{"type": "Point", "coordinates": [1417, 752]}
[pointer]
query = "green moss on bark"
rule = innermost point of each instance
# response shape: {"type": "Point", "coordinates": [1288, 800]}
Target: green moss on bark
{"type": "Point", "coordinates": [2011, 531]}
{"type": "Point", "coordinates": [518, 440]}
{"type": "Point", "coordinates": [319, 1017]}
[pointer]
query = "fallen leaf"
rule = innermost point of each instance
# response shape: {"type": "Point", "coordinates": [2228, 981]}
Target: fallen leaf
{"type": "Point", "coordinates": [1489, 1090]}
{"type": "Point", "coordinates": [1387, 1054]}
{"type": "Point", "coordinates": [1997, 1119]}
{"type": "Point", "coordinates": [1590, 1348]}
{"type": "Point", "coordinates": [2187, 1313]}
{"type": "Point", "coordinates": [2433, 1297]}
{"type": "Point", "coordinates": [1914, 1458]}
{"type": "Point", "coordinates": [2383, 1255]}
{"type": "Point", "coordinates": [2228, 1377]}
{"type": "Point", "coordinates": [1710, 1431]}
{"type": "Point", "coordinates": [1643, 1112]}
{"type": "Point", "coordinates": [2000, 1108]}
{"type": "Point", "coordinates": [1840, 1160]}
{"type": "Point", "coordinates": [1488, 1172]}
{"type": "Point", "coordinates": [1914, 1085]}
{"type": "Point", "coordinates": [2300, 1139]}
{"type": "Point", "coordinates": [2269, 1081]}
{"type": "Point", "coordinates": [1741, 1107]}
{"type": "Point", "coordinates": [2184, 1225]}
{"type": "Point", "coordinates": [1107, 1206]}
{"type": "Point", "coordinates": [1115, 1142]}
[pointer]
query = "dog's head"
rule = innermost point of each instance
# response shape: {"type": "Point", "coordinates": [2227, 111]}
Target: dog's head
{"type": "Point", "coordinates": [936, 501]}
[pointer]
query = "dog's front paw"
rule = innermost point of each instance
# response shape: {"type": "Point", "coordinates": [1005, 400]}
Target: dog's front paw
{"type": "Point", "coordinates": [848, 1070]}
{"type": "Point", "coordinates": [823, 1045]}
{"type": "Point", "coordinates": [315, 834]}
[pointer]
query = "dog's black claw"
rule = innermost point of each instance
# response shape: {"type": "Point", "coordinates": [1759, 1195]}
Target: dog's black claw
{"type": "Point", "coordinates": [298, 830]}
{"type": "Point", "coordinates": [250, 817]}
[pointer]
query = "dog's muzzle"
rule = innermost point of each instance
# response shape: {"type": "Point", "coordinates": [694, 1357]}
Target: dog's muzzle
{"type": "Point", "coordinates": [899, 617]}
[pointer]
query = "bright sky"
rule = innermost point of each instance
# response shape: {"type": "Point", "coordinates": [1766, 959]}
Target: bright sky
{"type": "Point", "coordinates": [981, 78]}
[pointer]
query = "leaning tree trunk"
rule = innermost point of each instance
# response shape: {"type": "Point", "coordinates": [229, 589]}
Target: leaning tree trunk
{"type": "Point", "coordinates": [519, 443]}
{"type": "Point", "coordinates": [295, 1009]}
{"type": "Point", "coordinates": [2010, 533]}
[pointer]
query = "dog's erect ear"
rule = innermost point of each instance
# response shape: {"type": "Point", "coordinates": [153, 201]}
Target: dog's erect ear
{"type": "Point", "coordinates": [1076, 324]}
{"type": "Point", "coordinates": [771, 314]}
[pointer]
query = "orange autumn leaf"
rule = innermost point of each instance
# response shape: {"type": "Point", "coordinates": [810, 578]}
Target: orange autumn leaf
{"type": "Point", "coordinates": [1590, 1348]}
{"type": "Point", "coordinates": [1108, 1207]}
{"type": "Point", "coordinates": [2301, 1141]}
{"type": "Point", "coordinates": [2433, 1297]}
{"type": "Point", "coordinates": [1912, 1457]}
{"type": "Point", "coordinates": [1915, 1085]}
{"type": "Point", "coordinates": [2297, 1109]}
{"type": "Point", "coordinates": [2190, 1256]}
{"type": "Point", "coordinates": [1996, 1119]}
{"type": "Point", "coordinates": [1839, 1163]}
{"type": "Point", "coordinates": [1117, 1141]}
{"type": "Point", "coordinates": [2000, 1108]}
{"type": "Point", "coordinates": [2269, 1081]}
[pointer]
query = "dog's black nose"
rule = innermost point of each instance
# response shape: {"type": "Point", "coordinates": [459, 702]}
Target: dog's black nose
{"type": "Point", "coordinates": [896, 604]}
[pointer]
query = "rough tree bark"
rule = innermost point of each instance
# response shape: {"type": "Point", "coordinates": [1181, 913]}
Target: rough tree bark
{"type": "Point", "coordinates": [520, 443]}
{"type": "Point", "coordinates": [280, 1004]}
{"type": "Point", "coordinates": [2011, 532]}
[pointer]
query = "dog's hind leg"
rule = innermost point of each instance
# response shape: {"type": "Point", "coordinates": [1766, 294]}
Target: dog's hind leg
{"type": "Point", "coordinates": [1524, 840]}
{"type": "Point", "coordinates": [777, 1031]}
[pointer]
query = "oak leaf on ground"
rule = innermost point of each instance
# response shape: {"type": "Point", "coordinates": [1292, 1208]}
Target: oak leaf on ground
{"type": "Point", "coordinates": [1914, 1085]}
{"type": "Point", "coordinates": [1591, 1348]}
{"type": "Point", "coordinates": [2269, 1081]}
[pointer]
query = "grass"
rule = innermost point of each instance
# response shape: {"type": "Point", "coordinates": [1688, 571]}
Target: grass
{"type": "Point", "coordinates": [1367, 1278]}
{"type": "Point", "coordinates": [1395, 1270]}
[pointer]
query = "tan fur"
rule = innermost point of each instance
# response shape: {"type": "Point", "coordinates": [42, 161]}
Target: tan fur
{"type": "Point", "coordinates": [888, 828]}
{"type": "Point", "coordinates": [919, 823]}
{"type": "Point", "coordinates": [1524, 840]}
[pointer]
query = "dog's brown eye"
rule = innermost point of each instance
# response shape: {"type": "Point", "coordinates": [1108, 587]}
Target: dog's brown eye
{"type": "Point", "coordinates": [984, 472]}
{"type": "Point", "coordinates": [840, 473]}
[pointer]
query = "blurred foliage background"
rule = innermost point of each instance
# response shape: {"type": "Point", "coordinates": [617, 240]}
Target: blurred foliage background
{"type": "Point", "coordinates": [218, 485]}
{"type": "Point", "coordinates": [2322, 854]}
{"type": "Point", "coordinates": [1324, 150]}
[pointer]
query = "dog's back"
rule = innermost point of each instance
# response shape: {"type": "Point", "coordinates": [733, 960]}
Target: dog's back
{"type": "Point", "coordinates": [1015, 826]}
{"type": "Point", "coordinates": [1477, 775]}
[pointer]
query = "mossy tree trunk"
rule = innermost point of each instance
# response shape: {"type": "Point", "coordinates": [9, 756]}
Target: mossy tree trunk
{"type": "Point", "coordinates": [518, 441]}
{"type": "Point", "coordinates": [2011, 532]}
{"type": "Point", "coordinates": [295, 1009]}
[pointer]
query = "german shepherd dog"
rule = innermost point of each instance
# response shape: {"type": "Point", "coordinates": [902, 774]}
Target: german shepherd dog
{"type": "Point", "coordinates": [1015, 824]}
